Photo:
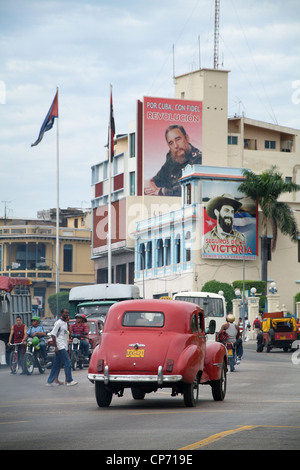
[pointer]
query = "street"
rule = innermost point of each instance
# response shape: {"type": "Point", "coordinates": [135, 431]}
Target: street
{"type": "Point", "coordinates": [261, 411]}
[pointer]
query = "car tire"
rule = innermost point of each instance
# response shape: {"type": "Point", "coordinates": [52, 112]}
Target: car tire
{"type": "Point", "coordinates": [137, 394]}
{"type": "Point", "coordinates": [191, 393]}
{"type": "Point", "coordinates": [103, 396]}
{"type": "Point", "coordinates": [218, 387]}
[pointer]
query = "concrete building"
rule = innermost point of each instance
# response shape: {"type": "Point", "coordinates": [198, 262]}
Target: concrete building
{"type": "Point", "coordinates": [144, 227]}
{"type": "Point", "coordinates": [28, 249]}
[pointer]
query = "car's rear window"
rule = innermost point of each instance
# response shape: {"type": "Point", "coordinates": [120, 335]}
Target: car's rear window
{"type": "Point", "coordinates": [143, 319]}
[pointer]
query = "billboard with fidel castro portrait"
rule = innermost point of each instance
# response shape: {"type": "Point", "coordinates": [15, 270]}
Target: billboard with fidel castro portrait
{"type": "Point", "coordinates": [172, 139]}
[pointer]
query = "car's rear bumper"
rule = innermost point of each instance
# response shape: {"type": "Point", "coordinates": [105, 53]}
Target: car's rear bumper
{"type": "Point", "coordinates": [158, 378]}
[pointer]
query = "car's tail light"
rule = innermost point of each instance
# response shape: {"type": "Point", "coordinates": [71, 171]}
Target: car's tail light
{"type": "Point", "coordinates": [170, 365]}
{"type": "Point", "coordinates": [100, 365]}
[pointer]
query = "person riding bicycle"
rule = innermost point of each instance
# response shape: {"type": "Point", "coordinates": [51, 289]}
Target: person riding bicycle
{"type": "Point", "coordinates": [37, 330]}
{"type": "Point", "coordinates": [18, 332]}
{"type": "Point", "coordinates": [81, 328]}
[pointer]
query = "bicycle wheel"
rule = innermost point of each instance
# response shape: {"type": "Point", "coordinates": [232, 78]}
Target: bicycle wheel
{"type": "Point", "coordinates": [28, 363]}
{"type": "Point", "coordinates": [13, 362]}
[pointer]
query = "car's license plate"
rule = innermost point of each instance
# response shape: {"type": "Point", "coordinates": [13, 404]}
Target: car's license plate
{"type": "Point", "coordinates": [135, 352]}
{"type": "Point", "coordinates": [230, 353]}
{"type": "Point", "coordinates": [283, 337]}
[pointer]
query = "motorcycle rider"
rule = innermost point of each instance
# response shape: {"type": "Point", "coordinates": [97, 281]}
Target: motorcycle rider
{"type": "Point", "coordinates": [37, 330]}
{"type": "Point", "coordinates": [81, 328]}
{"type": "Point", "coordinates": [233, 333]}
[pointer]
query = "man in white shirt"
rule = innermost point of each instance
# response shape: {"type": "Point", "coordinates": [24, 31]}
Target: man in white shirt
{"type": "Point", "coordinates": [59, 336]}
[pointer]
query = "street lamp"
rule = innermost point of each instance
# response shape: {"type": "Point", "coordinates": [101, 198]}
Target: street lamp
{"type": "Point", "coordinates": [252, 291]}
{"type": "Point", "coordinates": [273, 288]}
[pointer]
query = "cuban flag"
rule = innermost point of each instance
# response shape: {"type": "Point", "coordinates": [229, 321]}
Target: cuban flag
{"type": "Point", "coordinates": [112, 130]}
{"type": "Point", "coordinates": [49, 120]}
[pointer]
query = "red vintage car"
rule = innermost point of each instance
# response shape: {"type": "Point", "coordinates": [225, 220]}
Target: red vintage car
{"type": "Point", "coordinates": [151, 344]}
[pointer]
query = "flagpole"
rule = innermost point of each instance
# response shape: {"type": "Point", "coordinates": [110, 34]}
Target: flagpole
{"type": "Point", "coordinates": [109, 196]}
{"type": "Point", "coordinates": [57, 205]}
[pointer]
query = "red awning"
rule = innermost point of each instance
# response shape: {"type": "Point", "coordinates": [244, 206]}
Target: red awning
{"type": "Point", "coordinates": [8, 283]}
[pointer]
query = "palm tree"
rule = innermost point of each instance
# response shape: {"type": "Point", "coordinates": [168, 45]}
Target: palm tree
{"type": "Point", "coordinates": [265, 189]}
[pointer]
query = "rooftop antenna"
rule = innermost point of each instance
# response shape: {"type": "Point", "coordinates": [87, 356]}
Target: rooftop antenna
{"type": "Point", "coordinates": [216, 35]}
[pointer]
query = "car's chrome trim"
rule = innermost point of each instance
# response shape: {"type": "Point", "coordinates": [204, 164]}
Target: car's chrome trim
{"type": "Point", "coordinates": [110, 378]}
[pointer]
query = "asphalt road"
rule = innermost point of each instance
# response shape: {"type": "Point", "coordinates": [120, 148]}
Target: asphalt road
{"type": "Point", "coordinates": [261, 411]}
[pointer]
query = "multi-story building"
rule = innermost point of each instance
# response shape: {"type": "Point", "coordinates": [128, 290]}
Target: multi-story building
{"type": "Point", "coordinates": [28, 249]}
{"type": "Point", "coordinates": [145, 247]}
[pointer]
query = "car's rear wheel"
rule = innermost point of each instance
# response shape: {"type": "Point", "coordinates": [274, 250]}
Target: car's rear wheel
{"type": "Point", "coordinates": [218, 387]}
{"type": "Point", "coordinates": [103, 396]}
{"type": "Point", "coordinates": [191, 393]}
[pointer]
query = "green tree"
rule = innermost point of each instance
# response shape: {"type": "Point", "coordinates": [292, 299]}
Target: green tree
{"type": "Point", "coordinates": [57, 302]}
{"type": "Point", "coordinates": [216, 286]}
{"type": "Point", "coordinates": [266, 189]}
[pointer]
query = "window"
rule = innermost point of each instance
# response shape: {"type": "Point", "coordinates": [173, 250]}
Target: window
{"type": "Point", "coordinates": [132, 183]}
{"type": "Point", "coordinates": [270, 144]}
{"type": "Point", "coordinates": [167, 251]}
{"type": "Point", "coordinates": [232, 140]}
{"type": "Point", "coordinates": [149, 319]}
{"type": "Point", "coordinates": [160, 253]}
{"type": "Point", "coordinates": [177, 249]}
{"type": "Point", "coordinates": [68, 258]}
{"type": "Point", "coordinates": [141, 257]}
{"type": "Point", "coordinates": [121, 273]}
{"type": "Point", "coordinates": [132, 145]}
{"type": "Point", "coordinates": [189, 193]}
{"type": "Point", "coordinates": [149, 255]}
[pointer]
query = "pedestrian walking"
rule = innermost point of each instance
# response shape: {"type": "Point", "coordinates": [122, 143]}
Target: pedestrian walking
{"type": "Point", "coordinates": [59, 336]}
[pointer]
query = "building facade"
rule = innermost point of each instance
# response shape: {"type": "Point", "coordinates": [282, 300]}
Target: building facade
{"type": "Point", "coordinates": [28, 249]}
{"type": "Point", "coordinates": [153, 236]}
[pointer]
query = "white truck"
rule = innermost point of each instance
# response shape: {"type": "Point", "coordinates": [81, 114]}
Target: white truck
{"type": "Point", "coordinates": [95, 299]}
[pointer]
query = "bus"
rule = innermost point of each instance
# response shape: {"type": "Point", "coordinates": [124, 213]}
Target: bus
{"type": "Point", "coordinates": [214, 305]}
{"type": "Point", "coordinates": [95, 299]}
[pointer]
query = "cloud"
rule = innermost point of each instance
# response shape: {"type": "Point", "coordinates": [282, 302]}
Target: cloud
{"type": "Point", "coordinates": [84, 46]}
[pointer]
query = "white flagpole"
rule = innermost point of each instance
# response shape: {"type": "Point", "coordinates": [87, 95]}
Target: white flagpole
{"type": "Point", "coordinates": [109, 194]}
{"type": "Point", "coordinates": [57, 204]}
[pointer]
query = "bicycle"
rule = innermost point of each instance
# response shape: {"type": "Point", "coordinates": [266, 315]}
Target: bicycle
{"type": "Point", "coordinates": [14, 358]}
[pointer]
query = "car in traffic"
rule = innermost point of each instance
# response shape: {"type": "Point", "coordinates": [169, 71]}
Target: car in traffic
{"type": "Point", "coordinates": [154, 344]}
{"type": "Point", "coordinates": [277, 332]}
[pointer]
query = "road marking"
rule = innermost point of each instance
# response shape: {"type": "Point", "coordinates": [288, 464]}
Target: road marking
{"type": "Point", "coordinates": [13, 422]}
{"type": "Point", "coordinates": [221, 435]}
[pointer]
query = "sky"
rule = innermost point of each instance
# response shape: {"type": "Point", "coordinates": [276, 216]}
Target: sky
{"type": "Point", "coordinates": [84, 46]}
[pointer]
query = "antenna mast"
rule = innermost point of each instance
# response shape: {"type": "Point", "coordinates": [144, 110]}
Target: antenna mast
{"type": "Point", "coordinates": [216, 37]}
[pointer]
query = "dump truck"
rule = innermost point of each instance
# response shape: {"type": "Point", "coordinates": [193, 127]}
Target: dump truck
{"type": "Point", "coordinates": [15, 300]}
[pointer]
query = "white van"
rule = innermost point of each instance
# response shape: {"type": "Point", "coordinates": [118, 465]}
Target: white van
{"type": "Point", "coordinates": [214, 305]}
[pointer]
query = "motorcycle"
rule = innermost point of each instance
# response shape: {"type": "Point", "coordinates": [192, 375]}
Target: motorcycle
{"type": "Point", "coordinates": [231, 353]}
{"type": "Point", "coordinates": [231, 349]}
{"type": "Point", "coordinates": [76, 354]}
{"type": "Point", "coordinates": [33, 357]}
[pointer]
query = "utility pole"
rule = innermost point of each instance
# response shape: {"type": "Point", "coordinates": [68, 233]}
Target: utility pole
{"type": "Point", "coordinates": [5, 211]}
{"type": "Point", "coordinates": [216, 35]}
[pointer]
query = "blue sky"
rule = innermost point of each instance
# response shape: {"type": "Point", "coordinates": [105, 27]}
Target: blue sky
{"type": "Point", "coordinates": [84, 46]}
